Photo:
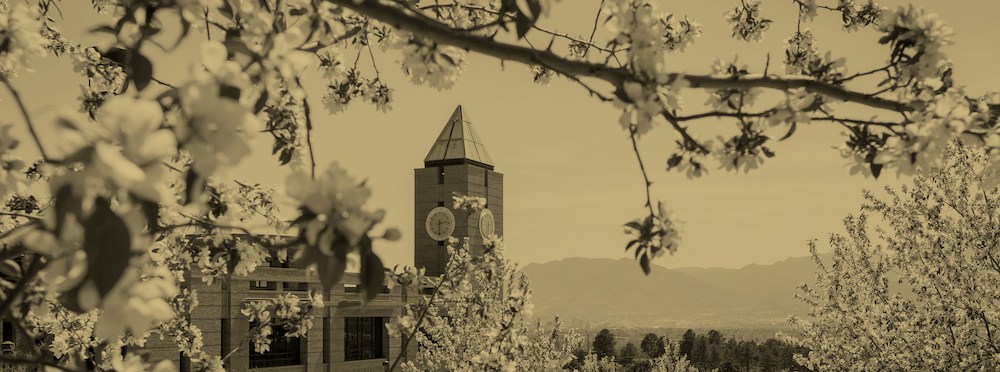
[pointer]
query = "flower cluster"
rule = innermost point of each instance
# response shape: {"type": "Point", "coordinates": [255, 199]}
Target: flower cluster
{"type": "Point", "coordinates": [21, 39]}
{"type": "Point", "coordinates": [469, 204]}
{"type": "Point", "coordinates": [352, 85]}
{"type": "Point", "coordinates": [648, 34]}
{"type": "Point", "coordinates": [438, 66]}
{"type": "Point", "coordinates": [856, 16]}
{"type": "Point", "coordinates": [916, 37]}
{"type": "Point", "coordinates": [652, 237]}
{"type": "Point", "coordinates": [336, 200]}
{"type": "Point", "coordinates": [800, 52]}
{"type": "Point", "coordinates": [746, 22]}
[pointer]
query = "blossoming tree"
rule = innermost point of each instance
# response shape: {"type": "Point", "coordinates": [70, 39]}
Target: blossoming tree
{"type": "Point", "coordinates": [924, 300]}
{"type": "Point", "coordinates": [475, 317]}
{"type": "Point", "coordinates": [134, 171]}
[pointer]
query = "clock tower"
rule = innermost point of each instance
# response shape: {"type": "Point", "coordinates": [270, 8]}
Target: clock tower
{"type": "Point", "coordinates": [457, 162]}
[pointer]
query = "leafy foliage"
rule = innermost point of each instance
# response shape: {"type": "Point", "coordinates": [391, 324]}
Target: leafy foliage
{"type": "Point", "coordinates": [922, 299]}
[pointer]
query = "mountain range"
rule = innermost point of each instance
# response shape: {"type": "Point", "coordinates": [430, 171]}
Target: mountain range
{"type": "Point", "coordinates": [595, 291]}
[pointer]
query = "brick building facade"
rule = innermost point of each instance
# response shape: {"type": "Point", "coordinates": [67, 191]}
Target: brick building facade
{"type": "Point", "coordinates": [345, 336]}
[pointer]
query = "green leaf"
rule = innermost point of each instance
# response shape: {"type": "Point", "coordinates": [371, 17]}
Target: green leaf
{"type": "Point", "coordinates": [791, 129]}
{"type": "Point", "coordinates": [523, 24]}
{"type": "Point", "coordinates": [330, 268]}
{"type": "Point", "coordinates": [876, 169]}
{"type": "Point", "coordinates": [674, 161]}
{"type": "Point", "coordinates": [234, 258]}
{"type": "Point", "coordinates": [372, 274]}
{"type": "Point", "coordinates": [634, 225]}
{"type": "Point", "coordinates": [142, 71]}
{"type": "Point", "coordinates": [644, 262]}
{"type": "Point", "coordinates": [185, 27]}
{"type": "Point", "coordinates": [226, 10]}
{"type": "Point", "coordinates": [235, 44]}
{"type": "Point", "coordinates": [630, 244]}
{"type": "Point", "coordinates": [66, 203]}
{"type": "Point", "coordinates": [10, 269]}
{"type": "Point", "coordinates": [106, 29]}
{"type": "Point", "coordinates": [194, 186]}
{"type": "Point", "coordinates": [297, 12]}
{"type": "Point", "coordinates": [449, 59]}
{"type": "Point", "coordinates": [117, 55]}
{"type": "Point", "coordinates": [259, 105]}
{"type": "Point", "coordinates": [152, 212]}
{"type": "Point", "coordinates": [108, 246]}
{"type": "Point", "coordinates": [229, 91]}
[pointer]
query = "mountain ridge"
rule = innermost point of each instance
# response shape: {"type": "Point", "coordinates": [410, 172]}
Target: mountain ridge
{"type": "Point", "coordinates": [615, 292]}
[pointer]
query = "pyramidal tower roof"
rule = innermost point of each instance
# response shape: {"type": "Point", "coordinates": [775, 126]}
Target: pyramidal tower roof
{"type": "Point", "coordinates": [458, 143]}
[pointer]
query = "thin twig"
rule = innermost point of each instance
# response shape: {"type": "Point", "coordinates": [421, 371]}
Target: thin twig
{"type": "Point", "coordinates": [372, 55]}
{"type": "Point", "coordinates": [162, 83]}
{"type": "Point", "coordinates": [589, 89]}
{"type": "Point", "coordinates": [860, 74]}
{"type": "Point", "coordinates": [14, 214]}
{"type": "Point", "coordinates": [635, 147]}
{"type": "Point", "coordinates": [683, 132]}
{"type": "Point", "coordinates": [208, 31]}
{"type": "Point", "coordinates": [312, 157]}
{"type": "Point", "coordinates": [24, 112]}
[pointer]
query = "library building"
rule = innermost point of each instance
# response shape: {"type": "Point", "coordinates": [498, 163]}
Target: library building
{"type": "Point", "coordinates": [345, 336]}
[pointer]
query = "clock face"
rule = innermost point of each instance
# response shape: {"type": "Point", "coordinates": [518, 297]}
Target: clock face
{"type": "Point", "coordinates": [487, 224]}
{"type": "Point", "coordinates": [440, 223]}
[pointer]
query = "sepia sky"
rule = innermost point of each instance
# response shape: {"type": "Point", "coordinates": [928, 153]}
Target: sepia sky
{"type": "Point", "coordinates": [571, 177]}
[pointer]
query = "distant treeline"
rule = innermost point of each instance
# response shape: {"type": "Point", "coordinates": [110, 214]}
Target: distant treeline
{"type": "Point", "coordinates": [710, 351]}
{"type": "Point", "coordinates": [757, 333]}
{"type": "Point", "coordinates": [714, 350]}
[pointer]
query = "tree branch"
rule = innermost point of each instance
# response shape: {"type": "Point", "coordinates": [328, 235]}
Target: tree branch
{"type": "Point", "coordinates": [441, 33]}
{"type": "Point", "coordinates": [24, 112]}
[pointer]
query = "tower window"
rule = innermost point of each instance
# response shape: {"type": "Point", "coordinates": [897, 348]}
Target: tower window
{"type": "Point", "coordinates": [441, 243]}
{"type": "Point", "coordinates": [440, 174]}
{"type": "Point", "coordinates": [440, 204]}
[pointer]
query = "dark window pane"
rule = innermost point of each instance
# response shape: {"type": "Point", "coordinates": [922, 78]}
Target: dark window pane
{"type": "Point", "coordinates": [363, 338]}
{"type": "Point", "coordinates": [284, 351]}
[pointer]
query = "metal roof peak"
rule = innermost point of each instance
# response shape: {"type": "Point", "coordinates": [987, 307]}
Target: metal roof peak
{"type": "Point", "coordinates": [458, 142]}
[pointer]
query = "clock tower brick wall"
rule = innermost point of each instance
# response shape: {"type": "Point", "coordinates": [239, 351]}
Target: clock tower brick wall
{"type": "Point", "coordinates": [432, 190]}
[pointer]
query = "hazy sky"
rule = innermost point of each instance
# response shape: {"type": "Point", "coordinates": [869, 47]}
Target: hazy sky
{"type": "Point", "coordinates": [571, 178]}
